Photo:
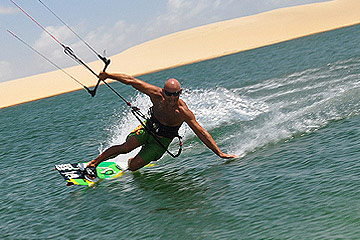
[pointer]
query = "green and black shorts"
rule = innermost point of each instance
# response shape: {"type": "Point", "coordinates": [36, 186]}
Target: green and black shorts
{"type": "Point", "coordinates": [151, 149]}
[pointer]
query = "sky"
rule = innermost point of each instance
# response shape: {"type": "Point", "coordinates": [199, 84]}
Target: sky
{"type": "Point", "coordinates": [110, 25]}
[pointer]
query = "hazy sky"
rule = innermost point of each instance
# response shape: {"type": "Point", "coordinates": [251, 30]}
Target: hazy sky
{"type": "Point", "coordinates": [111, 25]}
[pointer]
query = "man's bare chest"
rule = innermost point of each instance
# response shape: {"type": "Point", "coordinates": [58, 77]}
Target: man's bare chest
{"type": "Point", "coordinates": [167, 116]}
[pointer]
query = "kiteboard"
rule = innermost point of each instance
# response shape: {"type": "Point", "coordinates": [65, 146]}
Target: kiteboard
{"type": "Point", "coordinates": [73, 173]}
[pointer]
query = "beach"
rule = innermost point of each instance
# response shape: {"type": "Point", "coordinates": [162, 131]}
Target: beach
{"type": "Point", "coordinates": [194, 45]}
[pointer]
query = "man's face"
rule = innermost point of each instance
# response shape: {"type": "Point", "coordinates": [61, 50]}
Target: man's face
{"type": "Point", "coordinates": [172, 95]}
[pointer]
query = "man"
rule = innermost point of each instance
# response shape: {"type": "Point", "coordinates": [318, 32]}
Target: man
{"type": "Point", "coordinates": [167, 114]}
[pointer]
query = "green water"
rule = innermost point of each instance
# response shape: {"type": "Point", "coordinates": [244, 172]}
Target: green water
{"type": "Point", "coordinates": [291, 111]}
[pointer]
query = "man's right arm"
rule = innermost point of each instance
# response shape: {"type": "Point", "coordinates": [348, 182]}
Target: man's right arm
{"type": "Point", "coordinates": [138, 84]}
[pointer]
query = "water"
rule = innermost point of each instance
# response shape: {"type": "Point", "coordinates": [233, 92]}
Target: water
{"type": "Point", "coordinates": [291, 111]}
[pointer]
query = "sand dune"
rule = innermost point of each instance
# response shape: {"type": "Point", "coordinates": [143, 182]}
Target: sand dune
{"type": "Point", "coordinates": [193, 45]}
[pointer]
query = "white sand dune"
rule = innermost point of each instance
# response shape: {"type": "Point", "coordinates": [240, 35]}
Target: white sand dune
{"type": "Point", "coordinates": [193, 45]}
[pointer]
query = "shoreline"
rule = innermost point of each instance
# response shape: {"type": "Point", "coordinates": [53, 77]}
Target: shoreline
{"type": "Point", "coordinates": [194, 45]}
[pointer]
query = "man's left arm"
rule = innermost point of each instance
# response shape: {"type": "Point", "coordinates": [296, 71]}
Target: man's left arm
{"type": "Point", "coordinates": [204, 136]}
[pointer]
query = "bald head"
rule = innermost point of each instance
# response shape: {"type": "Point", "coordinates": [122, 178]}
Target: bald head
{"type": "Point", "coordinates": [172, 85]}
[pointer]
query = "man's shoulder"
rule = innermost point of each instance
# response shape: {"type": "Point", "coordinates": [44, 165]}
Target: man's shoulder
{"type": "Point", "coordinates": [183, 106]}
{"type": "Point", "coordinates": [156, 95]}
{"type": "Point", "coordinates": [184, 109]}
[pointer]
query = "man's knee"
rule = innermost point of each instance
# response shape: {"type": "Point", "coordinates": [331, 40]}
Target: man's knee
{"type": "Point", "coordinates": [136, 163]}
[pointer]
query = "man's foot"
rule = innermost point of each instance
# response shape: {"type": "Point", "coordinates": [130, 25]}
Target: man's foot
{"type": "Point", "coordinates": [90, 173]}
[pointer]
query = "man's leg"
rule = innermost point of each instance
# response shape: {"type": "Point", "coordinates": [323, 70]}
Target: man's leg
{"type": "Point", "coordinates": [130, 144]}
{"type": "Point", "coordinates": [136, 163]}
{"type": "Point", "coordinates": [151, 151]}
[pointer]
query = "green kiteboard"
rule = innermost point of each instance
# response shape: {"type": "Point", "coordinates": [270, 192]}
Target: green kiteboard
{"type": "Point", "coordinates": [73, 173]}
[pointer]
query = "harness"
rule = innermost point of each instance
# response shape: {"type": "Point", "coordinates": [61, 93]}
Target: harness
{"type": "Point", "coordinates": [160, 129]}
{"type": "Point", "coordinates": [155, 128]}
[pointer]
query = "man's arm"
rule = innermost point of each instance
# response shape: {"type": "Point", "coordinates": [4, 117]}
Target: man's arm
{"type": "Point", "coordinates": [142, 86]}
{"type": "Point", "coordinates": [204, 136]}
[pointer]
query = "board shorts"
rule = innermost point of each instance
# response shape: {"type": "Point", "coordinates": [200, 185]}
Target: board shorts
{"type": "Point", "coordinates": [151, 149]}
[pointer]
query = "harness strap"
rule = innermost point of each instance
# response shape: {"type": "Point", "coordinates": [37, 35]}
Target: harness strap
{"type": "Point", "coordinates": [138, 114]}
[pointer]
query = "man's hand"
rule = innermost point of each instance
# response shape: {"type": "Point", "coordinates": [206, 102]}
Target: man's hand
{"type": "Point", "coordinates": [103, 76]}
{"type": "Point", "coordinates": [225, 155]}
